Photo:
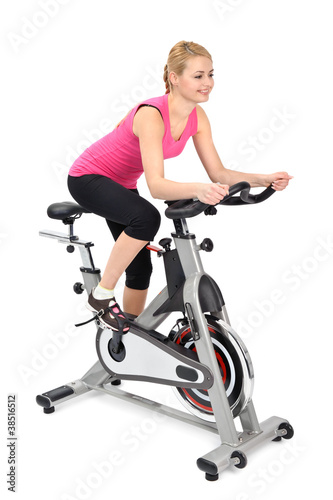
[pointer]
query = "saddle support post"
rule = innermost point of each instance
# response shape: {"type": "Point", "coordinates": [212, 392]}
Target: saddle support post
{"type": "Point", "coordinates": [90, 274]}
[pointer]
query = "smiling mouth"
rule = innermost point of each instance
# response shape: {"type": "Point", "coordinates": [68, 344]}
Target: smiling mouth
{"type": "Point", "coordinates": [204, 92]}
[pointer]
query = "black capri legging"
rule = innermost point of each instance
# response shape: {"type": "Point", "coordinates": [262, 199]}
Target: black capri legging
{"type": "Point", "coordinates": [124, 210]}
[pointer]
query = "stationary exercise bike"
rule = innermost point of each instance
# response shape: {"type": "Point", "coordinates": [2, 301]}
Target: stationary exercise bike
{"type": "Point", "coordinates": [202, 358]}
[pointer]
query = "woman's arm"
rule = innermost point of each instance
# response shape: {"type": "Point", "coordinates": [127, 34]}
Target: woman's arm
{"type": "Point", "coordinates": [148, 126]}
{"type": "Point", "coordinates": [210, 159]}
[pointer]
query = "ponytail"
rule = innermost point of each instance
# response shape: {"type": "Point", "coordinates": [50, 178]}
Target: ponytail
{"type": "Point", "coordinates": [166, 79]}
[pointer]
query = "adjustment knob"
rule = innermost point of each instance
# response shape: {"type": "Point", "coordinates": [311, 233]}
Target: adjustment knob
{"type": "Point", "coordinates": [78, 288]}
{"type": "Point", "coordinates": [207, 245]}
{"type": "Point", "coordinates": [165, 243]}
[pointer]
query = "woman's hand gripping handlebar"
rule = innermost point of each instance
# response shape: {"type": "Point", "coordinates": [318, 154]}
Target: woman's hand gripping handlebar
{"type": "Point", "coordinates": [183, 209]}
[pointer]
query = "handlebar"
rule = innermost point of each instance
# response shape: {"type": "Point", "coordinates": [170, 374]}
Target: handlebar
{"type": "Point", "coordinates": [183, 209]}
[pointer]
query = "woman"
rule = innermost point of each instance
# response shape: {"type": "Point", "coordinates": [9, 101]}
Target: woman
{"type": "Point", "coordinates": [103, 179]}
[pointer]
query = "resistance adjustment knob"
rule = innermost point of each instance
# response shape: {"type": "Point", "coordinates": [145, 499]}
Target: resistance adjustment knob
{"type": "Point", "coordinates": [207, 245]}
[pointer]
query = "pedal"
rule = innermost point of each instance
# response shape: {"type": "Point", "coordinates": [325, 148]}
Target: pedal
{"type": "Point", "coordinates": [100, 325]}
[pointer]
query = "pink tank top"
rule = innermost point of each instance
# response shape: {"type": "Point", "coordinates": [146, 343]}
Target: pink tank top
{"type": "Point", "coordinates": [117, 155]}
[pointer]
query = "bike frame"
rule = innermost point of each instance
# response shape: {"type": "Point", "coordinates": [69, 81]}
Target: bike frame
{"type": "Point", "coordinates": [199, 294]}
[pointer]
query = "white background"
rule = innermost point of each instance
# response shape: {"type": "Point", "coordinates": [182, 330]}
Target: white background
{"type": "Point", "coordinates": [70, 71]}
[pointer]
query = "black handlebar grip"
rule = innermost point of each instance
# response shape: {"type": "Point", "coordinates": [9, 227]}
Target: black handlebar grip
{"type": "Point", "coordinates": [257, 198]}
{"type": "Point", "coordinates": [236, 188]}
{"type": "Point", "coordinates": [190, 208]}
{"type": "Point", "coordinates": [245, 198]}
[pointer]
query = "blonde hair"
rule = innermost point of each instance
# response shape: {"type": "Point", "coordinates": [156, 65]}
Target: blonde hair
{"type": "Point", "coordinates": [178, 57]}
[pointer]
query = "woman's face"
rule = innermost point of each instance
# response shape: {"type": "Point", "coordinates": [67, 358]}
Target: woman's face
{"type": "Point", "coordinates": [196, 82]}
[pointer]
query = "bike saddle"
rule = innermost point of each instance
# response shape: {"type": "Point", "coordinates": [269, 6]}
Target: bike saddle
{"type": "Point", "coordinates": [65, 210]}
